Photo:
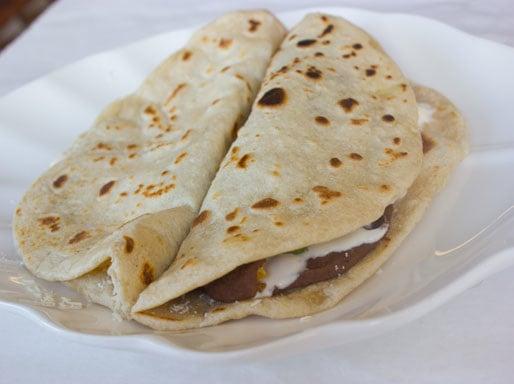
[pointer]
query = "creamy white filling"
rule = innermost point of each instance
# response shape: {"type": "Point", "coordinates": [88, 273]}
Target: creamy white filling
{"type": "Point", "coordinates": [425, 112]}
{"type": "Point", "coordinates": [282, 270]}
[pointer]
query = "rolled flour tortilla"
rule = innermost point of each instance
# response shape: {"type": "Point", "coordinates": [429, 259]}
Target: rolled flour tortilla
{"type": "Point", "coordinates": [109, 217]}
{"type": "Point", "coordinates": [331, 142]}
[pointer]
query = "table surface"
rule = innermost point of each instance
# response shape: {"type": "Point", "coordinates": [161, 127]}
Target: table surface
{"type": "Point", "coordinates": [469, 340]}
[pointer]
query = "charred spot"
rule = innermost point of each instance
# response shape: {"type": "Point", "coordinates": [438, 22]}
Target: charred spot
{"type": "Point", "coordinates": [204, 215]}
{"type": "Point", "coordinates": [266, 203]}
{"type": "Point", "coordinates": [291, 37]}
{"type": "Point", "coordinates": [150, 110]}
{"type": "Point", "coordinates": [129, 244]}
{"type": "Point", "coordinates": [385, 188]}
{"type": "Point", "coordinates": [404, 87]}
{"type": "Point", "coordinates": [278, 223]}
{"type": "Point", "coordinates": [329, 28]}
{"type": "Point", "coordinates": [319, 54]}
{"type": "Point", "coordinates": [397, 140]}
{"type": "Point", "coordinates": [130, 147]}
{"type": "Point", "coordinates": [59, 182]}
{"type": "Point", "coordinates": [225, 43]}
{"type": "Point", "coordinates": [253, 25]}
{"type": "Point", "coordinates": [147, 274]}
{"type": "Point", "coordinates": [321, 120]}
{"type": "Point", "coordinates": [428, 142]}
{"type": "Point", "coordinates": [357, 46]}
{"type": "Point", "coordinates": [186, 55]}
{"type": "Point", "coordinates": [335, 162]}
{"type": "Point", "coordinates": [225, 69]}
{"type": "Point", "coordinates": [324, 18]}
{"type": "Point", "coordinates": [388, 118]}
{"type": "Point", "coordinates": [273, 97]}
{"type": "Point", "coordinates": [298, 200]}
{"type": "Point", "coordinates": [313, 73]}
{"type": "Point", "coordinates": [232, 215]}
{"type": "Point", "coordinates": [180, 157]}
{"type": "Point", "coordinates": [325, 42]}
{"type": "Point", "coordinates": [394, 154]}
{"type": "Point", "coordinates": [244, 160]}
{"type": "Point", "coordinates": [370, 72]}
{"type": "Point", "coordinates": [18, 211]}
{"type": "Point", "coordinates": [78, 237]}
{"type": "Point", "coordinates": [152, 190]}
{"type": "Point", "coordinates": [185, 135]}
{"type": "Point", "coordinates": [124, 194]}
{"type": "Point", "coordinates": [306, 43]}
{"type": "Point", "coordinates": [106, 188]}
{"type": "Point", "coordinates": [325, 194]}
{"type": "Point", "coordinates": [389, 77]}
{"type": "Point", "coordinates": [348, 104]}
{"type": "Point", "coordinates": [355, 156]}
{"type": "Point", "coordinates": [175, 92]}
{"type": "Point", "coordinates": [232, 229]}
{"type": "Point", "coordinates": [52, 222]}
{"type": "Point", "coordinates": [358, 121]}
{"type": "Point", "coordinates": [113, 161]}
{"type": "Point", "coordinates": [104, 146]}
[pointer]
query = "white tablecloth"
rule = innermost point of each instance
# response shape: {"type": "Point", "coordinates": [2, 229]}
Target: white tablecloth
{"type": "Point", "coordinates": [469, 340]}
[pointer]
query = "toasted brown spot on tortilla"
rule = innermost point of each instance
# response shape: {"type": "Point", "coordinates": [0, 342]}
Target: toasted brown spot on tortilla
{"type": "Point", "coordinates": [113, 160]}
{"type": "Point", "coordinates": [278, 223]}
{"type": "Point", "coordinates": [180, 157]}
{"type": "Point", "coordinates": [204, 215]}
{"type": "Point", "coordinates": [325, 194]}
{"type": "Point", "coordinates": [165, 172]}
{"type": "Point", "coordinates": [244, 160]}
{"type": "Point", "coordinates": [224, 69]}
{"type": "Point", "coordinates": [306, 43]}
{"type": "Point", "coordinates": [106, 188]}
{"type": "Point", "coordinates": [335, 162]}
{"type": "Point", "coordinates": [186, 55]}
{"type": "Point", "coordinates": [225, 43]}
{"type": "Point", "coordinates": [389, 77]}
{"type": "Point", "coordinates": [348, 104]}
{"type": "Point", "coordinates": [388, 118]}
{"type": "Point", "coordinates": [428, 142]}
{"type": "Point", "coordinates": [404, 87]}
{"type": "Point", "coordinates": [397, 140]}
{"type": "Point", "coordinates": [358, 121]}
{"type": "Point", "coordinates": [254, 25]}
{"type": "Point", "coordinates": [131, 146]}
{"type": "Point", "coordinates": [100, 158]}
{"type": "Point", "coordinates": [324, 18]}
{"type": "Point", "coordinates": [233, 229]}
{"type": "Point", "coordinates": [313, 73]}
{"type": "Point", "coordinates": [291, 37]}
{"type": "Point", "coordinates": [124, 194]}
{"type": "Point", "coordinates": [78, 237]}
{"type": "Point", "coordinates": [394, 154]}
{"type": "Point", "coordinates": [266, 203]}
{"type": "Point", "coordinates": [355, 156]}
{"type": "Point", "coordinates": [298, 200]}
{"type": "Point", "coordinates": [370, 72]}
{"type": "Point", "coordinates": [129, 244]}
{"type": "Point", "coordinates": [185, 135]}
{"type": "Point", "coordinates": [327, 30]}
{"type": "Point", "coordinates": [215, 102]}
{"type": "Point", "coordinates": [146, 274]}
{"type": "Point", "coordinates": [18, 211]}
{"type": "Point", "coordinates": [107, 147]}
{"type": "Point", "coordinates": [357, 46]}
{"type": "Point", "coordinates": [59, 182]}
{"type": "Point", "coordinates": [175, 92]}
{"type": "Point", "coordinates": [385, 188]}
{"type": "Point", "coordinates": [232, 215]}
{"type": "Point", "coordinates": [52, 222]}
{"type": "Point", "coordinates": [155, 191]}
{"type": "Point", "coordinates": [321, 120]}
{"type": "Point", "coordinates": [273, 97]}
{"type": "Point", "coordinates": [132, 155]}
{"type": "Point", "coordinates": [319, 54]}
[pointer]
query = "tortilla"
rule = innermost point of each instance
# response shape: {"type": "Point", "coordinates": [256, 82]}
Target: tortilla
{"type": "Point", "coordinates": [446, 144]}
{"type": "Point", "coordinates": [332, 140]}
{"type": "Point", "coordinates": [109, 217]}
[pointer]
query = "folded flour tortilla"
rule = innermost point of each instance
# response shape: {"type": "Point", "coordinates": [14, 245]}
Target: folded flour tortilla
{"type": "Point", "coordinates": [331, 143]}
{"type": "Point", "coordinates": [109, 217]}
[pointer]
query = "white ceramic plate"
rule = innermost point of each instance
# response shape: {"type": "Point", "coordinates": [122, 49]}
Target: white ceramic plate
{"type": "Point", "coordinates": [466, 235]}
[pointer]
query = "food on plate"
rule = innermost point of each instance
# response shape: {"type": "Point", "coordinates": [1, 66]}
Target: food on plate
{"type": "Point", "coordinates": [109, 217]}
{"type": "Point", "coordinates": [337, 162]}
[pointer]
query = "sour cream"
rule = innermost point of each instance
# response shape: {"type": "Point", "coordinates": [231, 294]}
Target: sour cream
{"type": "Point", "coordinates": [282, 270]}
{"type": "Point", "coordinates": [425, 112]}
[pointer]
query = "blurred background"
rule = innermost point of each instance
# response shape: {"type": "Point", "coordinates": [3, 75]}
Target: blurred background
{"type": "Point", "coordinates": [16, 15]}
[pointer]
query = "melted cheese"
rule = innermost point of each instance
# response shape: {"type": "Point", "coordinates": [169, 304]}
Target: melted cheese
{"type": "Point", "coordinates": [282, 270]}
